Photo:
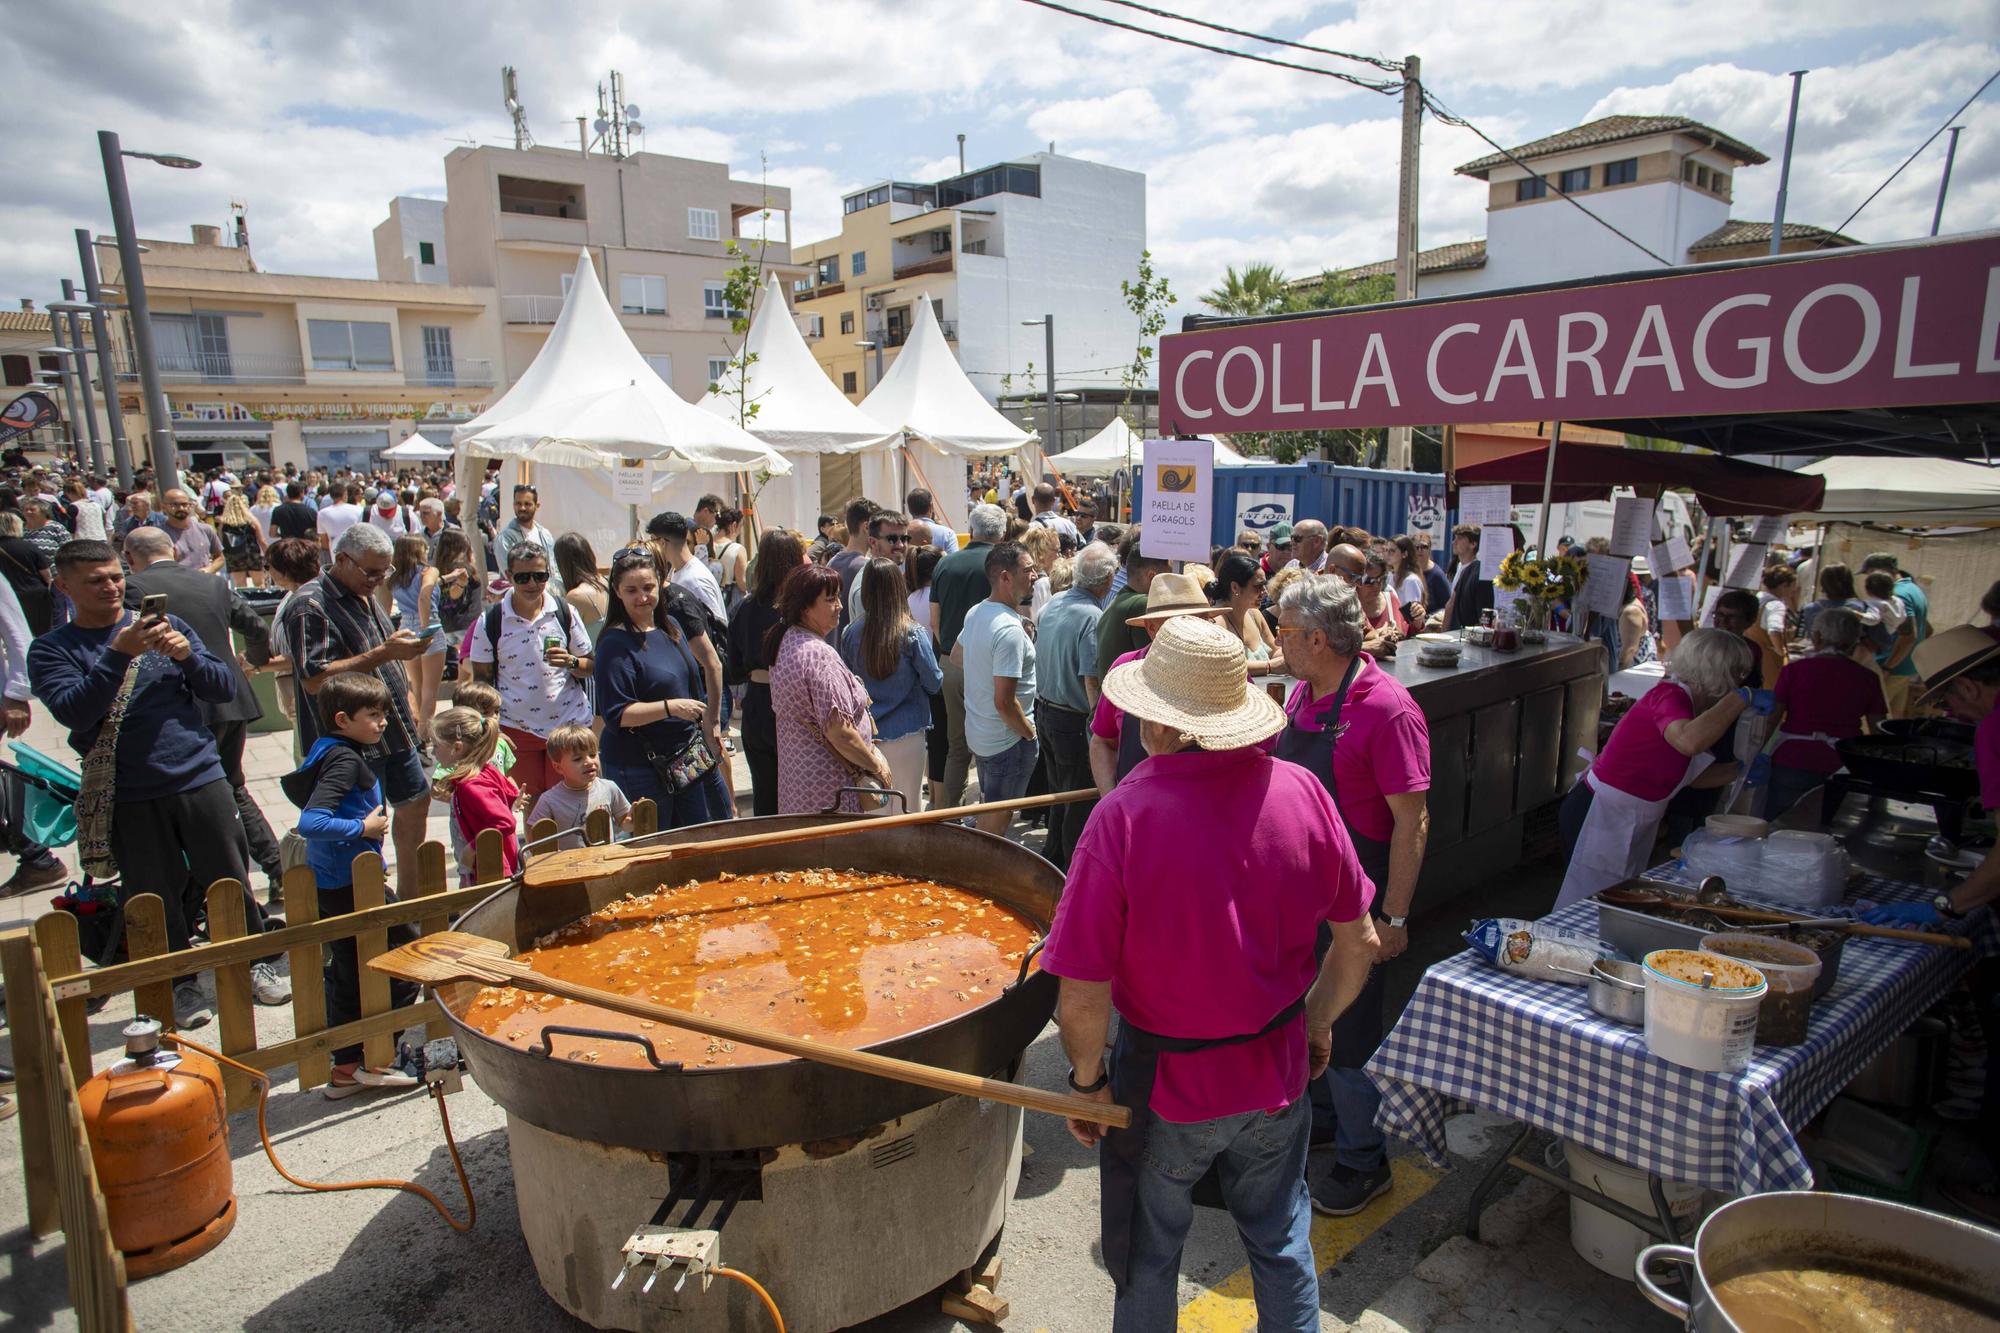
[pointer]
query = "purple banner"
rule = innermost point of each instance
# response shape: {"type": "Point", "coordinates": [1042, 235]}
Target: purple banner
{"type": "Point", "coordinates": [1857, 328]}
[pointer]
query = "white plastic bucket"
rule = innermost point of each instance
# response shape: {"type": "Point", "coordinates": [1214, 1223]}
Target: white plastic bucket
{"type": "Point", "coordinates": [1711, 1028]}
{"type": "Point", "coordinates": [1611, 1244]}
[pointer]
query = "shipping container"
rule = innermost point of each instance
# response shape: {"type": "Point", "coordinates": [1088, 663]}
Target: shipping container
{"type": "Point", "coordinates": [1259, 495]}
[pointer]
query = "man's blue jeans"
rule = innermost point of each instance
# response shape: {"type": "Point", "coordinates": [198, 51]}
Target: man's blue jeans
{"type": "Point", "coordinates": [1346, 1101]}
{"type": "Point", "coordinates": [1262, 1163]}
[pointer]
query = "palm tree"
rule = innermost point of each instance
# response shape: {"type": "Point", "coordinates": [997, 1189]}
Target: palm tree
{"type": "Point", "coordinates": [1258, 290]}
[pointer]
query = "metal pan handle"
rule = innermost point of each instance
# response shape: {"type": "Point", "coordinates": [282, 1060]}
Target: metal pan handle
{"type": "Point", "coordinates": [1642, 1270]}
{"type": "Point", "coordinates": [882, 793]}
{"type": "Point", "coordinates": [546, 1048]}
{"type": "Point", "coordinates": [1026, 959]}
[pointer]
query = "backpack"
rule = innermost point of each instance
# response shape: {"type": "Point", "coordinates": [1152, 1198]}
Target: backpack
{"type": "Point", "coordinates": [238, 538]}
{"type": "Point", "coordinates": [492, 620]}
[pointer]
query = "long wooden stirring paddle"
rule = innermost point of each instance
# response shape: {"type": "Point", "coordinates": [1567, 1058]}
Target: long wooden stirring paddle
{"type": "Point", "coordinates": [1844, 927]}
{"type": "Point", "coordinates": [580, 864]}
{"type": "Point", "coordinates": [452, 955]}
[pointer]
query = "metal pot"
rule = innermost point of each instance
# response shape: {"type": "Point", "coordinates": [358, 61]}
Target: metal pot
{"type": "Point", "coordinates": [1618, 991]}
{"type": "Point", "coordinates": [1941, 1253]}
{"type": "Point", "coordinates": [671, 1108]}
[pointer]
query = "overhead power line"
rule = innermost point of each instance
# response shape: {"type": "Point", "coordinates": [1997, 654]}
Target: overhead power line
{"type": "Point", "coordinates": [1913, 156]}
{"type": "Point", "coordinates": [1393, 66]}
{"type": "Point", "coordinates": [1385, 86]}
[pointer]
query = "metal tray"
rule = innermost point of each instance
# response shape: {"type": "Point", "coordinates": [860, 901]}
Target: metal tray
{"type": "Point", "coordinates": [1636, 934]}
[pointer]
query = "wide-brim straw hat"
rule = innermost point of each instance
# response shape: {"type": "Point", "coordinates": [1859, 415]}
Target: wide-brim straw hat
{"type": "Point", "coordinates": [1949, 654]}
{"type": "Point", "coordinates": [1193, 679]}
{"type": "Point", "coordinates": [1174, 595]}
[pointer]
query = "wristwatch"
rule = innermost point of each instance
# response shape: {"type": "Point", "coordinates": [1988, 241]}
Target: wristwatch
{"type": "Point", "coordinates": [1103, 1079]}
{"type": "Point", "coordinates": [1944, 908]}
{"type": "Point", "coordinates": [1396, 921]}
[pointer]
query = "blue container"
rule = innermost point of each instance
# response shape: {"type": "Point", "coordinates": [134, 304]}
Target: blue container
{"type": "Point", "coordinates": [1263, 494]}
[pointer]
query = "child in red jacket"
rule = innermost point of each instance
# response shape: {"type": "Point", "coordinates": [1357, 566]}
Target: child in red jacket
{"type": "Point", "coordinates": [481, 796]}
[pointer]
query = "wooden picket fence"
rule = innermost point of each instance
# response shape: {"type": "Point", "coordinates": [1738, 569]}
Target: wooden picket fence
{"type": "Point", "coordinates": [49, 990]}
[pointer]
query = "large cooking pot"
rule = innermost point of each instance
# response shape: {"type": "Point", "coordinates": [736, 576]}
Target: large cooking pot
{"type": "Point", "coordinates": [1924, 765]}
{"type": "Point", "coordinates": [1935, 1253]}
{"type": "Point", "coordinates": [671, 1108]}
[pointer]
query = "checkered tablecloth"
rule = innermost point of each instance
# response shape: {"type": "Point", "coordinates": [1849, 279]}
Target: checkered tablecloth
{"type": "Point", "coordinates": [1476, 1037]}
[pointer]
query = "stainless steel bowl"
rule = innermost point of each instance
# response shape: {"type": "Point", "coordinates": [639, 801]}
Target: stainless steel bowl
{"type": "Point", "coordinates": [1618, 991]}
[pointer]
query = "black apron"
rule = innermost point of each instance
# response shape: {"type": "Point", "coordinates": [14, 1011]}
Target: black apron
{"type": "Point", "coordinates": [1358, 1031]}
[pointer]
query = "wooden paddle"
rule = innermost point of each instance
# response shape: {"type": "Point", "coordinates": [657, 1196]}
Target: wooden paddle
{"type": "Point", "coordinates": [451, 955]}
{"type": "Point", "coordinates": [581, 864]}
{"type": "Point", "coordinates": [1849, 927]}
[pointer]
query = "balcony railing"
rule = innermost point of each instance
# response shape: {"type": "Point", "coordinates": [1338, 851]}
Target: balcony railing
{"type": "Point", "coordinates": [218, 367]}
{"type": "Point", "coordinates": [897, 337]}
{"type": "Point", "coordinates": [824, 289]}
{"type": "Point", "coordinates": [530, 309]}
{"type": "Point", "coordinates": [468, 372]}
{"type": "Point", "coordinates": [938, 264]}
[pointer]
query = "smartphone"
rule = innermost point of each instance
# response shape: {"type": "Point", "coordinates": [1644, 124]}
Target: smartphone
{"type": "Point", "coordinates": [429, 632]}
{"type": "Point", "coordinates": [153, 606]}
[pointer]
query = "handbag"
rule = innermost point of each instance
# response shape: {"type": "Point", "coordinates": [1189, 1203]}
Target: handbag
{"type": "Point", "coordinates": [683, 768]}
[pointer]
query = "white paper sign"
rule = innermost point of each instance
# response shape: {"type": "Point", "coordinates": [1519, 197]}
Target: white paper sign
{"type": "Point", "coordinates": [1746, 567]}
{"type": "Point", "coordinates": [1604, 587]}
{"type": "Point", "coordinates": [632, 482]}
{"type": "Point", "coordinates": [1708, 605]}
{"type": "Point", "coordinates": [1764, 531]}
{"type": "Point", "coordinates": [1676, 597]}
{"type": "Point", "coordinates": [1495, 545]}
{"type": "Point", "coordinates": [1672, 554]}
{"type": "Point", "coordinates": [1483, 505]}
{"type": "Point", "coordinates": [1260, 511]}
{"type": "Point", "coordinates": [1631, 525]}
{"type": "Point", "coordinates": [1426, 515]}
{"type": "Point", "coordinates": [1179, 483]}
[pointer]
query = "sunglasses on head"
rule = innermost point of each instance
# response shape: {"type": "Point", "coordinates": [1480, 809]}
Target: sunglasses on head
{"type": "Point", "coordinates": [528, 576]}
{"type": "Point", "coordinates": [624, 551]}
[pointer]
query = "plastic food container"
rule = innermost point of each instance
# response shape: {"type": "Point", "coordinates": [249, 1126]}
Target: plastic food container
{"type": "Point", "coordinates": [1708, 1027]}
{"type": "Point", "coordinates": [1737, 826]}
{"type": "Point", "coordinates": [1791, 970]}
{"type": "Point", "coordinates": [1803, 869]}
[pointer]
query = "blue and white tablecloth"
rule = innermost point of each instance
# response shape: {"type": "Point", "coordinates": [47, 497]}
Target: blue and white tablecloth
{"type": "Point", "coordinates": [1476, 1037]}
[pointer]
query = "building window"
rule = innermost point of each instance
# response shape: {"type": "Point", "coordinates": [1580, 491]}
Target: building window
{"type": "Point", "coordinates": [846, 322]}
{"type": "Point", "coordinates": [426, 253]}
{"type": "Point", "coordinates": [1574, 181]}
{"type": "Point", "coordinates": [1622, 172]}
{"type": "Point", "coordinates": [858, 264]}
{"type": "Point", "coordinates": [815, 326]}
{"type": "Point", "coordinates": [847, 381]}
{"type": "Point", "coordinates": [1534, 187]}
{"type": "Point", "coordinates": [718, 370]}
{"type": "Point", "coordinates": [439, 367]}
{"type": "Point", "coordinates": [662, 364]}
{"type": "Point", "coordinates": [642, 294]}
{"type": "Point", "coordinates": [1721, 182]}
{"type": "Point", "coordinates": [339, 344]}
{"type": "Point", "coordinates": [800, 286]}
{"type": "Point", "coordinates": [704, 224]}
{"type": "Point", "coordinates": [1701, 177]}
{"type": "Point", "coordinates": [829, 269]}
{"type": "Point", "coordinates": [20, 370]}
{"type": "Point", "coordinates": [715, 301]}
{"type": "Point", "coordinates": [1687, 170]}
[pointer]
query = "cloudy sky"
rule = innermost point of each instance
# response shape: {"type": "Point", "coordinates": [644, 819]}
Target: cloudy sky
{"type": "Point", "coordinates": [315, 114]}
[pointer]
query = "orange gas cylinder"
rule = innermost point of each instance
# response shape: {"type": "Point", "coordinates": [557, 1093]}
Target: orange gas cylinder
{"type": "Point", "coordinates": [159, 1135]}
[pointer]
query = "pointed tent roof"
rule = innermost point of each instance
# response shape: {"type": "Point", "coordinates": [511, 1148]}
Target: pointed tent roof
{"type": "Point", "coordinates": [927, 394]}
{"type": "Point", "coordinates": [1117, 445]}
{"type": "Point", "coordinates": [798, 408]}
{"type": "Point", "coordinates": [589, 398]}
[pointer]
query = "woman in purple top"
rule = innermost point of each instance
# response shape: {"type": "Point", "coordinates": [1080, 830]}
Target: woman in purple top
{"type": "Point", "coordinates": [825, 734]}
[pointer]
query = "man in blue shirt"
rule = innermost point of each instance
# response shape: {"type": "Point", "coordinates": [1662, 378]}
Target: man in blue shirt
{"type": "Point", "coordinates": [1066, 689]}
{"type": "Point", "coordinates": [1900, 680]}
{"type": "Point", "coordinates": [998, 656]}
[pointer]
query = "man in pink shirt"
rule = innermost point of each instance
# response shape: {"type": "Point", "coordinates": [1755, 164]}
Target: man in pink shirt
{"type": "Point", "coordinates": [1114, 747]}
{"type": "Point", "coordinates": [1192, 905]}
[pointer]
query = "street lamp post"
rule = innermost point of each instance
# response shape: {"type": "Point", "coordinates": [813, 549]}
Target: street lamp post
{"type": "Point", "coordinates": [166, 457]}
{"type": "Point", "coordinates": [107, 373]}
{"type": "Point", "coordinates": [82, 364]}
{"type": "Point", "coordinates": [875, 347]}
{"type": "Point", "coordinates": [62, 353]}
{"type": "Point", "coordinates": [1048, 326]}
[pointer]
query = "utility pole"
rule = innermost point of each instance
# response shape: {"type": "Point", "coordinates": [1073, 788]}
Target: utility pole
{"type": "Point", "coordinates": [83, 379]}
{"type": "Point", "coordinates": [1785, 167]}
{"type": "Point", "coordinates": [1406, 223]}
{"type": "Point", "coordinates": [107, 373]}
{"type": "Point", "coordinates": [64, 355]}
{"type": "Point", "coordinates": [1950, 152]}
{"type": "Point", "coordinates": [1049, 329]}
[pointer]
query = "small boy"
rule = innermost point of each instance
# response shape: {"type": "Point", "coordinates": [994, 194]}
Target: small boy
{"type": "Point", "coordinates": [341, 815]}
{"type": "Point", "coordinates": [573, 754]}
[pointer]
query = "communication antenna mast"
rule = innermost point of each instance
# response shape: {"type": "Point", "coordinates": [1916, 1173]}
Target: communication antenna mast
{"type": "Point", "coordinates": [510, 91]}
{"type": "Point", "coordinates": [617, 120]}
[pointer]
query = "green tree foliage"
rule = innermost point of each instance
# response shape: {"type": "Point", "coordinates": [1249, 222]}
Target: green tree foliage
{"type": "Point", "coordinates": [1260, 289]}
{"type": "Point", "coordinates": [1149, 298]}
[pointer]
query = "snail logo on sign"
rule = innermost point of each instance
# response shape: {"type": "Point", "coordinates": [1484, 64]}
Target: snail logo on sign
{"type": "Point", "coordinates": [1177, 480]}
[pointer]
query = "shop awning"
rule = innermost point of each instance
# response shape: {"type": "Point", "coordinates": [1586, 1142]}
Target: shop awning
{"type": "Point", "coordinates": [1726, 487]}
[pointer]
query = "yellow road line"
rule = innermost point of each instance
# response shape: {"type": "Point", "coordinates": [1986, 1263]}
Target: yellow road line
{"type": "Point", "coordinates": [1228, 1307]}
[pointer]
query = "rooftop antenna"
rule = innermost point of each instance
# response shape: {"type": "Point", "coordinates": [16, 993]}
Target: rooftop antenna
{"type": "Point", "coordinates": [511, 92]}
{"type": "Point", "coordinates": [617, 120]}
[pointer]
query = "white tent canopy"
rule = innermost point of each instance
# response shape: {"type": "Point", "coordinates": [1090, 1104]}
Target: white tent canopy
{"type": "Point", "coordinates": [798, 412]}
{"type": "Point", "coordinates": [1117, 446]}
{"type": "Point", "coordinates": [416, 449]}
{"type": "Point", "coordinates": [1907, 492]}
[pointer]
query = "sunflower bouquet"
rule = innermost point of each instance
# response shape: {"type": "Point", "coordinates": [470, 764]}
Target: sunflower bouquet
{"type": "Point", "coordinates": [1542, 582]}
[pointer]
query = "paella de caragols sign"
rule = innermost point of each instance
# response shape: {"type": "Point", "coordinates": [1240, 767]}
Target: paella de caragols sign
{"type": "Point", "coordinates": [1178, 484]}
{"type": "Point", "coordinates": [1865, 328]}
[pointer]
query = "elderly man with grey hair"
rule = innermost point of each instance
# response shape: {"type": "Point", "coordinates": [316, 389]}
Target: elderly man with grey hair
{"type": "Point", "coordinates": [334, 623]}
{"type": "Point", "coordinates": [1309, 545]}
{"type": "Point", "coordinates": [1355, 727]}
{"type": "Point", "coordinates": [430, 513]}
{"type": "Point", "coordinates": [1066, 687]}
{"type": "Point", "coordinates": [959, 585]}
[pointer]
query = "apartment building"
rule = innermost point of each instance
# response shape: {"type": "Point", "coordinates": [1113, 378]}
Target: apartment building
{"type": "Point", "coordinates": [409, 243]}
{"type": "Point", "coordinates": [990, 249]}
{"type": "Point", "coordinates": [657, 227]}
{"type": "Point", "coordinates": [273, 368]}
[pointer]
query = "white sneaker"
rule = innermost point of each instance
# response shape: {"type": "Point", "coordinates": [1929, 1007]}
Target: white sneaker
{"type": "Point", "coordinates": [190, 1009]}
{"type": "Point", "coordinates": [267, 986]}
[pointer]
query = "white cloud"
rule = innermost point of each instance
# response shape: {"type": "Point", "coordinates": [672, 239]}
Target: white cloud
{"type": "Point", "coordinates": [1129, 114]}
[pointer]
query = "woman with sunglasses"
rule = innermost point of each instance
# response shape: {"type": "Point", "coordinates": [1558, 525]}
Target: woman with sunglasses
{"type": "Point", "coordinates": [534, 647]}
{"type": "Point", "coordinates": [1381, 614]}
{"type": "Point", "coordinates": [1238, 587]}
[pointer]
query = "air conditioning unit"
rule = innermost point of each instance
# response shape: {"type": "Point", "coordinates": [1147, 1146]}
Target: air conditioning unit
{"type": "Point", "coordinates": [874, 302]}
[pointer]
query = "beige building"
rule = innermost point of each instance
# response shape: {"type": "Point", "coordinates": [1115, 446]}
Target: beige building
{"type": "Point", "coordinates": [275, 368]}
{"type": "Point", "coordinates": [657, 227]}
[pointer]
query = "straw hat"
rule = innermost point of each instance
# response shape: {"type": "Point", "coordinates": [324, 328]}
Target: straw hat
{"type": "Point", "coordinates": [1948, 654]}
{"type": "Point", "coordinates": [1173, 595]}
{"type": "Point", "coordinates": [1193, 678]}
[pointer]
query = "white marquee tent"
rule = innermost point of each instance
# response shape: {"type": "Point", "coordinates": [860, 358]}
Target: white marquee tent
{"type": "Point", "coordinates": [416, 449]}
{"type": "Point", "coordinates": [1907, 492]}
{"type": "Point", "coordinates": [1117, 446]}
{"type": "Point", "coordinates": [945, 421]}
{"type": "Point", "coordinates": [799, 413]}
{"type": "Point", "coordinates": [589, 400]}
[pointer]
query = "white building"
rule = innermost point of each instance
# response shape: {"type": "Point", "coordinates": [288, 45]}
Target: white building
{"type": "Point", "coordinates": [1040, 235]}
{"type": "Point", "coordinates": [409, 243]}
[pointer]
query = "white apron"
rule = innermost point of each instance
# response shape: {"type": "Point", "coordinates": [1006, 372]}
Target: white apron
{"type": "Point", "coordinates": [1617, 835]}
